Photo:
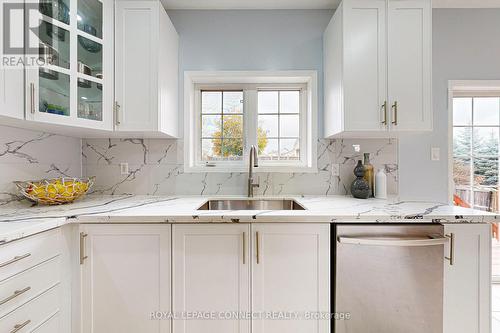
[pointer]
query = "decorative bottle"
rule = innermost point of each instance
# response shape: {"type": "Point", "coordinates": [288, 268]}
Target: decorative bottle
{"type": "Point", "coordinates": [369, 174]}
{"type": "Point", "coordinates": [381, 185]}
{"type": "Point", "coordinates": [359, 187]}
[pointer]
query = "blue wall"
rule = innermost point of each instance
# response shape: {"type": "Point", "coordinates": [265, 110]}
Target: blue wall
{"type": "Point", "coordinates": [466, 46]}
{"type": "Point", "coordinates": [251, 40]}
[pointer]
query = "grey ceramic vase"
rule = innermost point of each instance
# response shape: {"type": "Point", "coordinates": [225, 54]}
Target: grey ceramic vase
{"type": "Point", "coordinates": [359, 187]}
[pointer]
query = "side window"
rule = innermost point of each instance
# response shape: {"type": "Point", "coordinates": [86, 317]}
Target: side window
{"type": "Point", "coordinates": [476, 125]}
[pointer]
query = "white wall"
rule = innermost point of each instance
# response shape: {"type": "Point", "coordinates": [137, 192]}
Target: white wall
{"type": "Point", "coordinates": [466, 45]}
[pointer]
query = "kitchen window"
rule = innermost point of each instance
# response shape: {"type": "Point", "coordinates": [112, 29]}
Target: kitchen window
{"type": "Point", "coordinates": [226, 115]}
{"type": "Point", "coordinates": [475, 151]}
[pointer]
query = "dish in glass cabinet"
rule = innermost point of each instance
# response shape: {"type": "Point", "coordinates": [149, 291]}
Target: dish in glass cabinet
{"type": "Point", "coordinates": [89, 45]}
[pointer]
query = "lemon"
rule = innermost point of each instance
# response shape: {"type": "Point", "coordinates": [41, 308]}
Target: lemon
{"type": "Point", "coordinates": [60, 188]}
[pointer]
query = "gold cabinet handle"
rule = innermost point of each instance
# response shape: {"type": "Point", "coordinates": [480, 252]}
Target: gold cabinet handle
{"type": "Point", "coordinates": [14, 295]}
{"type": "Point", "coordinates": [244, 247]}
{"type": "Point", "coordinates": [257, 246]}
{"type": "Point", "coordinates": [15, 259]}
{"type": "Point", "coordinates": [82, 247]}
{"type": "Point", "coordinates": [18, 327]}
{"type": "Point", "coordinates": [32, 92]}
{"type": "Point", "coordinates": [451, 258]}
{"type": "Point", "coordinates": [117, 113]}
{"type": "Point", "coordinates": [395, 109]}
{"type": "Point", "coordinates": [384, 108]}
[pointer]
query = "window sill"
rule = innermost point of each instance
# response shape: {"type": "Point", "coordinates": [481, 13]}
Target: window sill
{"type": "Point", "coordinates": [244, 169]}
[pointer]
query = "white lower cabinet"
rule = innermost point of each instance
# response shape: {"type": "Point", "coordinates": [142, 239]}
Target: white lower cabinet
{"type": "Point", "coordinates": [258, 278]}
{"type": "Point", "coordinates": [211, 273]}
{"type": "Point", "coordinates": [290, 275]}
{"type": "Point", "coordinates": [467, 279]}
{"type": "Point", "coordinates": [125, 272]}
{"type": "Point", "coordinates": [31, 291]}
{"type": "Point", "coordinates": [288, 264]}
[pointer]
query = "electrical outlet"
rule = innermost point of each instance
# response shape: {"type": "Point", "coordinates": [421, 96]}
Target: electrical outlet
{"type": "Point", "coordinates": [124, 169]}
{"type": "Point", "coordinates": [435, 154]}
{"type": "Point", "coordinates": [336, 170]}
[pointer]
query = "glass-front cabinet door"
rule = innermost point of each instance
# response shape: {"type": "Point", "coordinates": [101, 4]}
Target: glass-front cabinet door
{"type": "Point", "coordinates": [72, 83]}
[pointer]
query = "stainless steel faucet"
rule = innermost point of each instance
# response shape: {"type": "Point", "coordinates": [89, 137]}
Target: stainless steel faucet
{"type": "Point", "coordinates": [253, 163]}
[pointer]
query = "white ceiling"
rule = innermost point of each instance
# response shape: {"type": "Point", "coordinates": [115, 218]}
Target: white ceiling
{"type": "Point", "coordinates": [305, 4]}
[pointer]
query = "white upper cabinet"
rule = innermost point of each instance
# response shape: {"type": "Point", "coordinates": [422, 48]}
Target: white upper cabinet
{"type": "Point", "coordinates": [409, 64]}
{"type": "Point", "coordinates": [11, 84]}
{"type": "Point", "coordinates": [146, 62]}
{"type": "Point", "coordinates": [94, 76]}
{"type": "Point", "coordinates": [73, 86]}
{"type": "Point", "coordinates": [377, 67]}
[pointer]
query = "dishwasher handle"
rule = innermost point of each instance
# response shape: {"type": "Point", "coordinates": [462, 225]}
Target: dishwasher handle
{"type": "Point", "coordinates": [430, 240]}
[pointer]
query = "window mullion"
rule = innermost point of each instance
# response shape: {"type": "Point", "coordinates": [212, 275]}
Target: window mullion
{"type": "Point", "coordinates": [250, 114]}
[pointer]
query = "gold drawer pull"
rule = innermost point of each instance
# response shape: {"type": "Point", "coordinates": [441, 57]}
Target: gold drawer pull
{"type": "Point", "coordinates": [257, 246]}
{"type": "Point", "coordinates": [451, 258]}
{"type": "Point", "coordinates": [244, 247]}
{"type": "Point", "coordinates": [395, 108]}
{"type": "Point", "coordinates": [82, 247]}
{"type": "Point", "coordinates": [13, 260]}
{"type": "Point", "coordinates": [14, 295]}
{"type": "Point", "coordinates": [18, 327]}
{"type": "Point", "coordinates": [384, 107]}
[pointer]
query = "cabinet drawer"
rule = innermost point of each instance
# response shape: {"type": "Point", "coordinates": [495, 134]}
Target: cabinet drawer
{"type": "Point", "coordinates": [20, 255]}
{"type": "Point", "coordinates": [22, 287]}
{"type": "Point", "coordinates": [52, 325]}
{"type": "Point", "coordinates": [33, 314]}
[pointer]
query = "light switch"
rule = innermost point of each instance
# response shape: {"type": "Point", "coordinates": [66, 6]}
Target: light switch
{"type": "Point", "coordinates": [435, 154]}
{"type": "Point", "coordinates": [124, 169]}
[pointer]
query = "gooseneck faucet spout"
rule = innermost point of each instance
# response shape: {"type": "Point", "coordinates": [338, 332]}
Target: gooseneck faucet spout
{"type": "Point", "coordinates": [253, 163]}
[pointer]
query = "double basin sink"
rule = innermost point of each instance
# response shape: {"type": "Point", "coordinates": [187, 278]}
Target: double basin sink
{"type": "Point", "coordinates": [252, 204]}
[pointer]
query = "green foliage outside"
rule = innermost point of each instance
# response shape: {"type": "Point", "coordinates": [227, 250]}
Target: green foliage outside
{"type": "Point", "coordinates": [233, 128]}
{"type": "Point", "coordinates": [485, 168]}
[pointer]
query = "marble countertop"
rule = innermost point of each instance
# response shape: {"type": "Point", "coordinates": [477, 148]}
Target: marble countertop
{"type": "Point", "coordinates": [19, 219]}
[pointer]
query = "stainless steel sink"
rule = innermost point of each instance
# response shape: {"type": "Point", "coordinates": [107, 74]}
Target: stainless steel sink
{"type": "Point", "coordinates": [252, 204]}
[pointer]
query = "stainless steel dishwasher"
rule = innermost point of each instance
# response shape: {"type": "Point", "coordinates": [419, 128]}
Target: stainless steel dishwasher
{"type": "Point", "coordinates": [389, 278]}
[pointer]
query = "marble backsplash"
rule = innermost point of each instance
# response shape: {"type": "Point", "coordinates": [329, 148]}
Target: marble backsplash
{"type": "Point", "coordinates": [156, 167]}
{"type": "Point", "coordinates": [29, 155]}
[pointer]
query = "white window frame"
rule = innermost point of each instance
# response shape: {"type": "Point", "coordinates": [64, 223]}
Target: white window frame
{"type": "Point", "coordinates": [464, 88]}
{"type": "Point", "coordinates": [250, 82]}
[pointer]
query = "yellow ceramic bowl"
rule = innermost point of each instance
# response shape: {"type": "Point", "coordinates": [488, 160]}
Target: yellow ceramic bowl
{"type": "Point", "coordinates": [55, 191]}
